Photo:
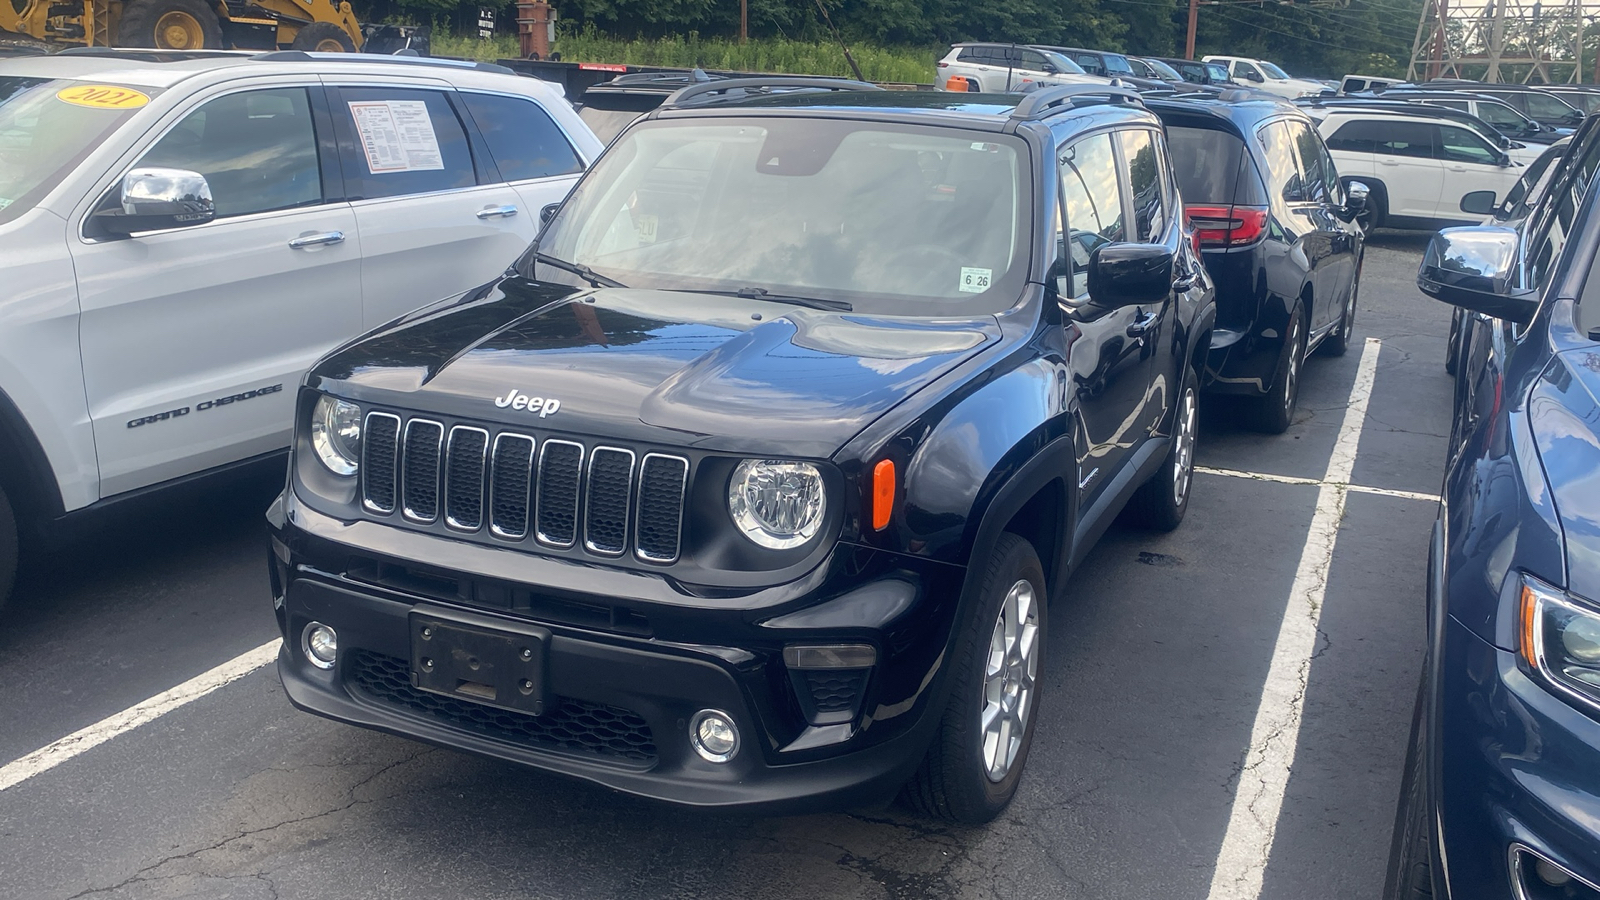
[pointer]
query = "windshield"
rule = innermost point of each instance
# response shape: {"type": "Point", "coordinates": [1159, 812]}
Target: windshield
{"type": "Point", "coordinates": [1273, 71]}
{"type": "Point", "coordinates": [47, 126]}
{"type": "Point", "coordinates": [1117, 65]}
{"type": "Point", "coordinates": [1164, 71]}
{"type": "Point", "coordinates": [1218, 73]}
{"type": "Point", "coordinates": [1527, 191]}
{"type": "Point", "coordinates": [1062, 63]}
{"type": "Point", "coordinates": [901, 219]}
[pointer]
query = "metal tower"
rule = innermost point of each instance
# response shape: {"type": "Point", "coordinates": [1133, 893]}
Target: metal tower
{"type": "Point", "coordinates": [1525, 41]}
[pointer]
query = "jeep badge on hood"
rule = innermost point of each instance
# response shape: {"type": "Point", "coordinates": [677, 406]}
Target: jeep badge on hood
{"type": "Point", "coordinates": [518, 400]}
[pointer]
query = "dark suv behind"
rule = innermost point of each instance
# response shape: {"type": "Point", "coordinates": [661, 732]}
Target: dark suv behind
{"type": "Point", "coordinates": [1278, 235]}
{"type": "Point", "coordinates": [747, 485]}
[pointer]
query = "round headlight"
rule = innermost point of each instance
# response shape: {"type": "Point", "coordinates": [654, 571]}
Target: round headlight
{"type": "Point", "coordinates": [336, 434]}
{"type": "Point", "coordinates": [777, 504]}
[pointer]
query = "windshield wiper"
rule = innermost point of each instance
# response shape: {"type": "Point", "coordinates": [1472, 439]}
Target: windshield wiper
{"type": "Point", "coordinates": [755, 293]}
{"type": "Point", "coordinates": [594, 278]}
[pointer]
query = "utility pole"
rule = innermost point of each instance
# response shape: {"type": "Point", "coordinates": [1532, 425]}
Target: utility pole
{"type": "Point", "coordinates": [744, 20]}
{"type": "Point", "coordinates": [1194, 20]}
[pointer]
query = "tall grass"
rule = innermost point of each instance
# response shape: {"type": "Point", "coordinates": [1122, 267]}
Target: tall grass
{"type": "Point", "coordinates": [902, 64]}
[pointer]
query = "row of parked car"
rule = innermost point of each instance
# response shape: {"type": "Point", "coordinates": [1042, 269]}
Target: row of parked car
{"type": "Point", "coordinates": [743, 484]}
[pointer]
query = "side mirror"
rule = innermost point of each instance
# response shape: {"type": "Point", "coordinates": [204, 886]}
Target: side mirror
{"type": "Point", "coordinates": [1253, 76]}
{"type": "Point", "coordinates": [1049, 68]}
{"type": "Point", "coordinates": [1475, 268]}
{"type": "Point", "coordinates": [1129, 274]}
{"type": "Point", "coordinates": [154, 198]}
{"type": "Point", "coordinates": [1505, 161]}
{"type": "Point", "coordinates": [1355, 197]}
{"type": "Point", "coordinates": [1479, 203]}
{"type": "Point", "coordinates": [548, 213]}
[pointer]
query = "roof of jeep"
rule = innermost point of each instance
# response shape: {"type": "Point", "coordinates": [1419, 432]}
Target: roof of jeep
{"type": "Point", "coordinates": [1240, 113]}
{"type": "Point", "coordinates": [953, 109]}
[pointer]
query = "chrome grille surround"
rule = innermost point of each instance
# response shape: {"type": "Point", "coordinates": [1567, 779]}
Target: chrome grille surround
{"type": "Point", "coordinates": [504, 471]}
{"type": "Point", "coordinates": [419, 478]}
{"type": "Point", "coordinates": [649, 545]}
{"type": "Point", "coordinates": [464, 498]}
{"type": "Point", "coordinates": [380, 468]}
{"type": "Point", "coordinates": [546, 487]}
{"type": "Point", "coordinates": [605, 531]}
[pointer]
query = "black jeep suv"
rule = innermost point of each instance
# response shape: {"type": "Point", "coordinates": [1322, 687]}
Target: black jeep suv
{"type": "Point", "coordinates": [749, 483]}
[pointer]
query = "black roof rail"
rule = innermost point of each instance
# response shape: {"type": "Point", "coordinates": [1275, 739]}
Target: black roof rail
{"type": "Point", "coordinates": [303, 56]}
{"type": "Point", "coordinates": [747, 87]}
{"type": "Point", "coordinates": [1046, 101]}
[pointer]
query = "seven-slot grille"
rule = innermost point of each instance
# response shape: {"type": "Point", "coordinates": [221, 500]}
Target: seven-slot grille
{"type": "Point", "coordinates": [516, 486]}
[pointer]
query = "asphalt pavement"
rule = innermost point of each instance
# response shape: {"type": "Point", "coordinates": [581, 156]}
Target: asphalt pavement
{"type": "Point", "coordinates": [1166, 662]}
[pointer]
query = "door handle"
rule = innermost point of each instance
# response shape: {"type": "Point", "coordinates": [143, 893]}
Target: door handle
{"type": "Point", "coordinates": [1184, 282]}
{"type": "Point", "coordinates": [1389, 162]}
{"type": "Point", "coordinates": [489, 212]}
{"type": "Point", "coordinates": [316, 240]}
{"type": "Point", "coordinates": [1142, 325]}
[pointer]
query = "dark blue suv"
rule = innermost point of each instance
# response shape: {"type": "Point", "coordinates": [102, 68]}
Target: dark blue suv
{"type": "Point", "coordinates": [1502, 790]}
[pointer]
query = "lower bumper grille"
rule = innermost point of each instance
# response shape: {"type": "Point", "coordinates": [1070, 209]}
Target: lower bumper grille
{"type": "Point", "coordinates": [574, 726]}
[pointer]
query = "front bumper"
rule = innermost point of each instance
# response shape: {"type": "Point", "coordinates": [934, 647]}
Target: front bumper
{"type": "Point", "coordinates": [1515, 767]}
{"type": "Point", "coordinates": [625, 674]}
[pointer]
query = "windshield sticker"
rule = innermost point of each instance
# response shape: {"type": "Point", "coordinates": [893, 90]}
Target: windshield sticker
{"type": "Point", "coordinates": [102, 96]}
{"type": "Point", "coordinates": [974, 280]}
{"type": "Point", "coordinates": [397, 135]}
{"type": "Point", "coordinates": [645, 225]}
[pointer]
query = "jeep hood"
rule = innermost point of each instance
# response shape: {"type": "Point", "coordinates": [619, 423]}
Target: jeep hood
{"type": "Point", "coordinates": [679, 368]}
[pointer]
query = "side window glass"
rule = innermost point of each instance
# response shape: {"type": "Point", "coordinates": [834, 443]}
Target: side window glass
{"type": "Point", "coordinates": [1412, 139]}
{"type": "Point", "coordinates": [1320, 182]}
{"type": "Point", "coordinates": [1283, 173]}
{"type": "Point", "coordinates": [1092, 197]}
{"type": "Point", "coordinates": [1091, 64]}
{"type": "Point", "coordinates": [969, 54]}
{"type": "Point", "coordinates": [524, 141]}
{"type": "Point", "coordinates": [1032, 61]}
{"type": "Point", "coordinates": [1451, 104]}
{"type": "Point", "coordinates": [398, 141]}
{"type": "Point", "coordinates": [1144, 178]}
{"type": "Point", "coordinates": [257, 150]}
{"type": "Point", "coordinates": [1461, 145]}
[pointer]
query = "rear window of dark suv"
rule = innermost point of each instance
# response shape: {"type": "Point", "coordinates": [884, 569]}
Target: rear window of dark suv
{"type": "Point", "coordinates": [1213, 167]}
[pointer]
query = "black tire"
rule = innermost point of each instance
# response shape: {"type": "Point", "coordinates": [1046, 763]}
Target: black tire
{"type": "Point", "coordinates": [321, 37]}
{"type": "Point", "coordinates": [1274, 413]}
{"type": "Point", "coordinates": [1452, 350]}
{"type": "Point", "coordinates": [1160, 503]}
{"type": "Point", "coordinates": [1338, 342]}
{"type": "Point", "coordinates": [8, 547]}
{"type": "Point", "coordinates": [1410, 875]}
{"type": "Point", "coordinates": [1377, 211]}
{"type": "Point", "coordinates": [148, 23]}
{"type": "Point", "coordinates": [953, 781]}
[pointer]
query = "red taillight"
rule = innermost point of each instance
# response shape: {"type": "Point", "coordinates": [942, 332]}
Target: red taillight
{"type": "Point", "coordinates": [944, 65]}
{"type": "Point", "coordinates": [1227, 226]}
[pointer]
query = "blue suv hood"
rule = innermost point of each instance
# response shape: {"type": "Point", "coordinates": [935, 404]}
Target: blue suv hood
{"type": "Point", "coordinates": [1564, 412]}
{"type": "Point", "coordinates": [698, 370]}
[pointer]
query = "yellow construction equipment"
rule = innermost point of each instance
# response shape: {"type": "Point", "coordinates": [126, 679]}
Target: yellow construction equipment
{"type": "Point", "coordinates": [185, 24]}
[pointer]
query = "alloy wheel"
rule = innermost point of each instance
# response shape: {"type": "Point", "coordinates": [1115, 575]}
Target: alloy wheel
{"type": "Point", "coordinates": [1009, 673]}
{"type": "Point", "coordinates": [1291, 384]}
{"type": "Point", "coordinates": [1183, 446]}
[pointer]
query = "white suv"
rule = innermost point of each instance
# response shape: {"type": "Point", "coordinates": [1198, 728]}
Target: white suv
{"type": "Point", "coordinates": [1264, 76]}
{"type": "Point", "coordinates": [999, 68]}
{"type": "Point", "coordinates": [1418, 167]}
{"type": "Point", "coordinates": [183, 234]}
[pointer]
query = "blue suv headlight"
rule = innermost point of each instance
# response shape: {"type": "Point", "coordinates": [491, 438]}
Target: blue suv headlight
{"type": "Point", "coordinates": [1559, 638]}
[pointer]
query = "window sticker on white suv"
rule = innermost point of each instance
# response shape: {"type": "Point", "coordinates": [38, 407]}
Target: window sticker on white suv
{"type": "Point", "coordinates": [396, 135]}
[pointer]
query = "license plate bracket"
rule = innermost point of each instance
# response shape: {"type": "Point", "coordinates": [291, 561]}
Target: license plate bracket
{"type": "Point", "coordinates": [479, 659]}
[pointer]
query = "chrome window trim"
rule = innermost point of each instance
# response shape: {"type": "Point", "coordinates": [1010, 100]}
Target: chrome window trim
{"type": "Point", "coordinates": [399, 442]}
{"type": "Point", "coordinates": [538, 487]}
{"type": "Point", "coordinates": [627, 500]}
{"type": "Point", "coordinates": [533, 461]}
{"type": "Point", "coordinates": [683, 493]}
{"type": "Point", "coordinates": [438, 454]}
{"type": "Point", "coordinates": [483, 459]}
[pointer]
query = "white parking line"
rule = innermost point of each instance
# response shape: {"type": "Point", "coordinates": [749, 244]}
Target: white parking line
{"type": "Point", "coordinates": [46, 758]}
{"type": "Point", "coordinates": [1295, 479]}
{"type": "Point", "coordinates": [1247, 844]}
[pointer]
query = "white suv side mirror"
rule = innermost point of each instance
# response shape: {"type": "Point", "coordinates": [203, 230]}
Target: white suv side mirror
{"type": "Point", "coordinates": [153, 198]}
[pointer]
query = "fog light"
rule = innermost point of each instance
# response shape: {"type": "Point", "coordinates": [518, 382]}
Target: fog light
{"type": "Point", "coordinates": [320, 645]}
{"type": "Point", "coordinates": [713, 735]}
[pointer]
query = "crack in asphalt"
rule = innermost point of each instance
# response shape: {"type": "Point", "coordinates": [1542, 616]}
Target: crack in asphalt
{"type": "Point", "coordinates": [145, 873]}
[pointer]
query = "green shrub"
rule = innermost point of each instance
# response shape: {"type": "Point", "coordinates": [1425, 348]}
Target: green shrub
{"type": "Point", "coordinates": [897, 64]}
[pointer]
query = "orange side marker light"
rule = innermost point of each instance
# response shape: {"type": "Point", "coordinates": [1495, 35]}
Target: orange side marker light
{"type": "Point", "coordinates": [882, 493]}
